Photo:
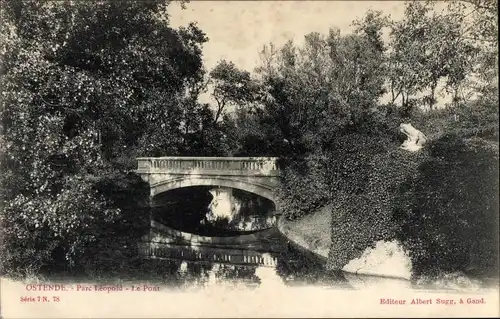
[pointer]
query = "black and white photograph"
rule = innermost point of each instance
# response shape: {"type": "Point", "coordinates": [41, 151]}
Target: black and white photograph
{"type": "Point", "coordinates": [244, 159]}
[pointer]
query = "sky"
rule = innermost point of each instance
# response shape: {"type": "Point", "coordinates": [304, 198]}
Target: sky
{"type": "Point", "coordinates": [239, 29]}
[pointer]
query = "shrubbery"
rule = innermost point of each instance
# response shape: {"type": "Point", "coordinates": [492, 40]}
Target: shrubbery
{"type": "Point", "coordinates": [359, 220]}
{"type": "Point", "coordinates": [115, 249]}
{"type": "Point", "coordinates": [441, 202]}
{"type": "Point", "coordinates": [473, 119]}
{"type": "Point", "coordinates": [451, 223]}
{"type": "Point", "coordinates": [33, 228]}
{"type": "Point", "coordinates": [78, 233]}
{"type": "Point", "coordinates": [303, 188]}
{"type": "Point", "coordinates": [320, 178]}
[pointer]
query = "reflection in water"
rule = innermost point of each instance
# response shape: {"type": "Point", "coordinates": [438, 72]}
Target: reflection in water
{"type": "Point", "coordinates": [204, 267]}
{"type": "Point", "coordinates": [212, 236]}
{"type": "Point", "coordinates": [269, 278]}
{"type": "Point", "coordinates": [213, 211]}
{"type": "Point", "coordinates": [238, 210]}
{"type": "Point", "coordinates": [222, 206]}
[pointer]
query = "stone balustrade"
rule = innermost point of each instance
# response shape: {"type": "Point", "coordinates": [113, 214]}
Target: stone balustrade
{"type": "Point", "coordinates": [206, 254]}
{"type": "Point", "coordinates": [258, 175]}
{"type": "Point", "coordinates": [249, 164]}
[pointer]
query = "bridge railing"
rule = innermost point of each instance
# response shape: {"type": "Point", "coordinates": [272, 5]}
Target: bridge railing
{"type": "Point", "coordinates": [206, 254]}
{"type": "Point", "coordinates": [207, 163]}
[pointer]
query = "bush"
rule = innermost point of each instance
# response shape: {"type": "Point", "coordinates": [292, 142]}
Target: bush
{"type": "Point", "coordinates": [115, 247]}
{"type": "Point", "coordinates": [479, 119]}
{"type": "Point", "coordinates": [93, 221]}
{"type": "Point", "coordinates": [473, 119]}
{"type": "Point", "coordinates": [451, 222]}
{"type": "Point", "coordinates": [46, 231]}
{"type": "Point", "coordinates": [359, 176]}
{"type": "Point", "coordinates": [317, 180]}
{"type": "Point", "coordinates": [360, 220]}
{"type": "Point", "coordinates": [303, 189]}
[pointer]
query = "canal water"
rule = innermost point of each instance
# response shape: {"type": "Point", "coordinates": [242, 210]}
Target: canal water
{"type": "Point", "coordinates": [282, 264]}
{"type": "Point", "coordinates": [205, 236]}
{"type": "Point", "coordinates": [203, 266]}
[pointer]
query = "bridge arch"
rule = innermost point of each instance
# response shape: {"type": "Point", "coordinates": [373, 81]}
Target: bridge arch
{"type": "Point", "coordinates": [188, 181]}
{"type": "Point", "coordinates": [258, 175]}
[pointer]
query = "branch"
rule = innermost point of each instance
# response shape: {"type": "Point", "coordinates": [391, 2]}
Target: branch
{"type": "Point", "coordinates": [220, 106]}
{"type": "Point", "coordinates": [477, 4]}
{"type": "Point", "coordinates": [51, 104]}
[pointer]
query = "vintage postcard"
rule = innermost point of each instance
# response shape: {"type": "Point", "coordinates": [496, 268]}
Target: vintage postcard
{"type": "Point", "coordinates": [211, 159]}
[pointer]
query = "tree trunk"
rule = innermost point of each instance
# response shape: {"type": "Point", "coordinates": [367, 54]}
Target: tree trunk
{"type": "Point", "coordinates": [456, 97]}
{"type": "Point", "coordinates": [432, 99]}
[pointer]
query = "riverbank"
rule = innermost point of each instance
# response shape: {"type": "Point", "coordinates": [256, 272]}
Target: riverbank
{"type": "Point", "coordinates": [312, 232]}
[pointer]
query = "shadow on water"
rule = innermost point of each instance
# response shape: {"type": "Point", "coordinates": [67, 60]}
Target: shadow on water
{"type": "Point", "coordinates": [300, 267]}
{"type": "Point", "coordinates": [184, 247]}
{"type": "Point", "coordinates": [268, 259]}
{"type": "Point", "coordinates": [193, 210]}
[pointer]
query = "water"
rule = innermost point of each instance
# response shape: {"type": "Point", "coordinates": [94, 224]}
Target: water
{"type": "Point", "coordinates": [263, 258]}
{"type": "Point", "coordinates": [251, 259]}
{"type": "Point", "coordinates": [281, 264]}
{"type": "Point", "coordinates": [206, 236]}
{"type": "Point", "coordinates": [209, 236]}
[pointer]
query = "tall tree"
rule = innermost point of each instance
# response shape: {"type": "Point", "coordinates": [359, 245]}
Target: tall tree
{"type": "Point", "coordinates": [429, 47]}
{"type": "Point", "coordinates": [328, 85]}
{"type": "Point", "coordinates": [481, 28]}
{"type": "Point", "coordinates": [231, 86]}
{"type": "Point", "coordinates": [79, 102]}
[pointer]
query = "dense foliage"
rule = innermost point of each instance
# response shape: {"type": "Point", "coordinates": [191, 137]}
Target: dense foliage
{"type": "Point", "coordinates": [79, 102]}
{"type": "Point", "coordinates": [449, 222]}
{"type": "Point", "coordinates": [89, 86]}
{"type": "Point", "coordinates": [320, 109]}
{"type": "Point", "coordinates": [362, 218]}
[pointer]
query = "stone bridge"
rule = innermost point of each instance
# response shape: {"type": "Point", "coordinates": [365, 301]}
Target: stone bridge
{"type": "Point", "coordinates": [258, 175]}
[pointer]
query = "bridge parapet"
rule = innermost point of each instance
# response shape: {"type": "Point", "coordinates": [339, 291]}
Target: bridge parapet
{"type": "Point", "coordinates": [246, 165]}
{"type": "Point", "coordinates": [258, 175]}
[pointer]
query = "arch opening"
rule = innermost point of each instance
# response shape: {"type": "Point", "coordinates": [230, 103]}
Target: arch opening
{"type": "Point", "coordinates": [213, 210]}
{"type": "Point", "coordinates": [244, 185]}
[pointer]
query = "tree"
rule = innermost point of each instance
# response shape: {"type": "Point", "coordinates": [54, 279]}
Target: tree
{"type": "Point", "coordinates": [79, 102]}
{"type": "Point", "coordinates": [429, 47]}
{"type": "Point", "coordinates": [328, 85]}
{"type": "Point", "coordinates": [231, 86]}
{"type": "Point", "coordinates": [483, 17]}
{"type": "Point", "coordinates": [481, 29]}
{"type": "Point", "coordinates": [415, 53]}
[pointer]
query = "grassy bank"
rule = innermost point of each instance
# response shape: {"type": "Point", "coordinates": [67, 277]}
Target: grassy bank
{"type": "Point", "coordinates": [313, 232]}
